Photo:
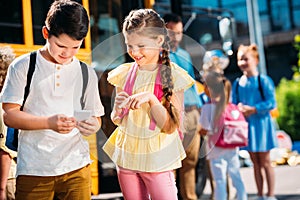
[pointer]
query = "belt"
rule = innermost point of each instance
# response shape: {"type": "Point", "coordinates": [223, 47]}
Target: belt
{"type": "Point", "coordinates": [190, 108]}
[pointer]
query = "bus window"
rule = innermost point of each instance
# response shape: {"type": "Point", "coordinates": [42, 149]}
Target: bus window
{"type": "Point", "coordinates": [11, 22]}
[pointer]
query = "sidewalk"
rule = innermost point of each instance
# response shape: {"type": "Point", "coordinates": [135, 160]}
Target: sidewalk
{"type": "Point", "coordinates": [287, 186]}
{"type": "Point", "coordinates": [287, 183]}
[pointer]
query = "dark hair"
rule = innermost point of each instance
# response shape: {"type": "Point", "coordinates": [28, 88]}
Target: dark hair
{"type": "Point", "coordinates": [171, 17]}
{"type": "Point", "coordinates": [218, 86]}
{"type": "Point", "coordinates": [148, 23]}
{"type": "Point", "coordinates": [67, 17]}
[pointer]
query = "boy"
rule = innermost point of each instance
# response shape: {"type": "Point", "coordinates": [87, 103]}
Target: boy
{"type": "Point", "coordinates": [53, 157]}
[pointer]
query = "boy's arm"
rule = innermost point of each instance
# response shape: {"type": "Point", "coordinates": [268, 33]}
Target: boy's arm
{"type": "Point", "coordinates": [15, 118]}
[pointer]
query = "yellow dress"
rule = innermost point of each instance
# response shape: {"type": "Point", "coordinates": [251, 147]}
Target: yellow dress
{"type": "Point", "coordinates": [133, 145]}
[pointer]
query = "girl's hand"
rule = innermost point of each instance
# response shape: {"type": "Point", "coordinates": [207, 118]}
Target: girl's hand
{"type": "Point", "coordinates": [61, 123]}
{"type": "Point", "coordinates": [89, 126]}
{"type": "Point", "coordinates": [135, 101]}
{"type": "Point", "coordinates": [121, 100]}
{"type": "Point", "coordinates": [247, 110]}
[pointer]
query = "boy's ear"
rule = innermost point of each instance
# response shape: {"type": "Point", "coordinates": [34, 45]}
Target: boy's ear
{"type": "Point", "coordinates": [45, 32]}
{"type": "Point", "coordinates": [160, 40]}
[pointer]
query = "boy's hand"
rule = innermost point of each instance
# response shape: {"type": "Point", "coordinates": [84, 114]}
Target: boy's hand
{"type": "Point", "coordinates": [62, 123]}
{"type": "Point", "coordinates": [88, 127]}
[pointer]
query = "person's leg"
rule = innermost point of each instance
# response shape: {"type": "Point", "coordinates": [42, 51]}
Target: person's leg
{"type": "Point", "coordinates": [234, 173]}
{"type": "Point", "coordinates": [191, 143]}
{"type": "Point", "coordinates": [257, 172]}
{"type": "Point", "coordinates": [11, 189]}
{"type": "Point", "coordinates": [75, 185]}
{"type": "Point", "coordinates": [187, 173]}
{"type": "Point", "coordinates": [161, 185]}
{"type": "Point", "coordinates": [265, 160]}
{"type": "Point", "coordinates": [35, 187]}
{"type": "Point", "coordinates": [211, 180]}
{"type": "Point", "coordinates": [5, 162]}
{"type": "Point", "coordinates": [132, 185]}
{"type": "Point", "coordinates": [219, 173]}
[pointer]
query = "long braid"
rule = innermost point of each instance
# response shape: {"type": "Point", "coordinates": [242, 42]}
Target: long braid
{"type": "Point", "coordinates": [167, 83]}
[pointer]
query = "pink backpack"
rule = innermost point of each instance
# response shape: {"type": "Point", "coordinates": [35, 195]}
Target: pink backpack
{"type": "Point", "coordinates": [231, 130]}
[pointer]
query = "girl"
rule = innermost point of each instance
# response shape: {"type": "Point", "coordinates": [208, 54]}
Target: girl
{"type": "Point", "coordinates": [222, 161]}
{"type": "Point", "coordinates": [256, 97]}
{"type": "Point", "coordinates": [146, 146]}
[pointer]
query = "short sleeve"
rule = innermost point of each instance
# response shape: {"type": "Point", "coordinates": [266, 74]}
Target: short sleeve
{"type": "Point", "coordinates": [182, 80]}
{"type": "Point", "coordinates": [117, 76]}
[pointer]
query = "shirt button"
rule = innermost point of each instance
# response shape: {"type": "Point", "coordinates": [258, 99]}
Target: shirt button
{"type": "Point", "coordinates": [57, 84]}
{"type": "Point", "coordinates": [58, 67]}
{"type": "Point", "coordinates": [57, 76]}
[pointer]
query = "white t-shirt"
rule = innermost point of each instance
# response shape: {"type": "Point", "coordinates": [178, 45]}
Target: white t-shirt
{"type": "Point", "coordinates": [206, 121]}
{"type": "Point", "coordinates": [54, 89]}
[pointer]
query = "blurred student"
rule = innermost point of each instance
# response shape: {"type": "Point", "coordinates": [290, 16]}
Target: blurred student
{"type": "Point", "coordinates": [7, 156]}
{"type": "Point", "coordinates": [192, 104]}
{"type": "Point", "coordinates": [255, 95]}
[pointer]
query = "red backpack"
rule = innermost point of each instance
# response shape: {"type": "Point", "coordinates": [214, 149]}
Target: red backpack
{"type": "Point", "coordinates": [231, 130]}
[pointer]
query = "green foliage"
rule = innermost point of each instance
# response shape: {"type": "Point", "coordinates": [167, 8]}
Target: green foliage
{"type": "Point", "coordinates": [288, 99]}
{"type": "Point", "coordinates": [288, 103]}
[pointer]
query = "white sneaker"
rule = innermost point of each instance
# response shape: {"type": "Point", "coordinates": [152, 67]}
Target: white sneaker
{"type": "Point", "coordinates": [270, 198]}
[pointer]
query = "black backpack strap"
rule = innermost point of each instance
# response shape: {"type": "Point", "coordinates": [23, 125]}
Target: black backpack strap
{"type": "Point", "coordinates": [85, 78]}
{"type": "Point", "coordinates": [261, 91]}
{"type": "Point", "coordinates": [29, 76]}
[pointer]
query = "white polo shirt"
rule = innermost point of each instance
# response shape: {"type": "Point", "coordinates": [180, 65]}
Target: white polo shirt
{"type": "Point", "coordinates": [55, 89]}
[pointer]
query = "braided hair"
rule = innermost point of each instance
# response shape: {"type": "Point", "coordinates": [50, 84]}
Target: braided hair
{"type": "Point", "coordinates": [148, 23]}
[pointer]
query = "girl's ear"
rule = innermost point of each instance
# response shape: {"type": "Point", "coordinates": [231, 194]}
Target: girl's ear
{"type": "Point", "coordinates": [45, 32]}
{"type": "Point", "coordinates": [160, 40]}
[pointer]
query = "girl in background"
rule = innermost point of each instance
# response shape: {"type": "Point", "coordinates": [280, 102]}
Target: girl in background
{"type": "Point", "coordinates": [222, 161]}
{"type": "Point", "coordinates": [146, 146]}
{"type": "Point", "coordinates": [256, 106]}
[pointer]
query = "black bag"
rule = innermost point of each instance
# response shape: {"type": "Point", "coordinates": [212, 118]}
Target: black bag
{"type": "Point", "coordinates": [12, 133]}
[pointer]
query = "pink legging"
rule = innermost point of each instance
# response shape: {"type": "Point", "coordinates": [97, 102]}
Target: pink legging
{"type": "Point", "coordinates": [137, 185]}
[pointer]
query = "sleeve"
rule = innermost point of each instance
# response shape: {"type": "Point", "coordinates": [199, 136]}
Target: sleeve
{"type": "Point", "coordinates": [269, 101]}
{"type": "Point", "coordinates": [117, 76]}
{"type": "Point", "coordinates": [92, 96]}
{"type": "Point", "coordinates": [205, 117]}
{"type": "Point", "coordinates": [182, 80]}
{"type": "Point", "coordinates": [15, 81]}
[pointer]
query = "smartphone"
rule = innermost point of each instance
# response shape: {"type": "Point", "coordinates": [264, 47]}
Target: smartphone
{"type": "Point", "coordinates": [81, 115]}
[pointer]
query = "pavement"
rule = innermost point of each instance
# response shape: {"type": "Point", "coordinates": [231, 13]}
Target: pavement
{"type": "Point", "coordinates": [287, 185]}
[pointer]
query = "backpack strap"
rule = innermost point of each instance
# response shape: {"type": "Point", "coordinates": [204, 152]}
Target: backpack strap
{"type": "Point", "coordinates": [260, 87]}
{"type": "Point", "coordinates": [85, 78]}
{"type": "Point", "coordinates": [31, 69]}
